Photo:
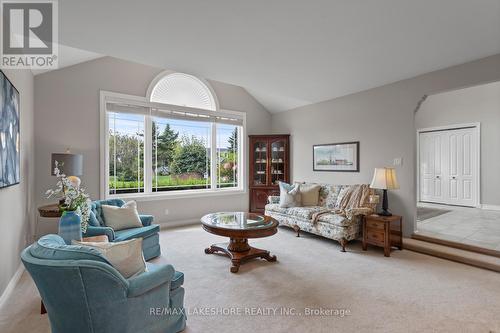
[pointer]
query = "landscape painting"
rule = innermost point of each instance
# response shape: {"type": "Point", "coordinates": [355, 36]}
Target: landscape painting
{"type": "Point", "coordinates": [9, 133]}
{"type": "Point", "coordinates": [336, 157]}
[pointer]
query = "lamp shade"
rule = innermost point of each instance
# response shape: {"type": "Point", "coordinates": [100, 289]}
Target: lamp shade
{"type": "Point", "coordinates": [384, 179]}
{"type": "Point", "coordinates": [69, 164]}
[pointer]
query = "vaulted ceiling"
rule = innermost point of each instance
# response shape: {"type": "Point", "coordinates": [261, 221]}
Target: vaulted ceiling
{"type": "Point", "coordinates": [288, 53]}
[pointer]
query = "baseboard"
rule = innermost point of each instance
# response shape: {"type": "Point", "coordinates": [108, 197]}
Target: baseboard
{"type": "Point", "coordinates": [490, 207]}
{"type": "Point", "coordinates": [175, 224]}
{"type": "Point", "coordinates": [10, 287]}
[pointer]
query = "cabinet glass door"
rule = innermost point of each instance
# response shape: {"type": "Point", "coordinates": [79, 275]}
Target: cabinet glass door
{"type": "Point", "coordinates": [278, 159]}
{"type": "Point", "coordinates": [260, 163]}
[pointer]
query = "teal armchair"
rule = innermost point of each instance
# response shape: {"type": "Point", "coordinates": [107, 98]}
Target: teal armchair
{"type": "Point", "coordinates": [148, 231]}
{"type": "Point", "coordinates": [83, 293]}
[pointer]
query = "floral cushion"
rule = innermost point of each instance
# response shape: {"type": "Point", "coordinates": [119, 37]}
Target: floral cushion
{"type": "Point", "coordinates": [307, 212]}
{"type": "Point", "coordinates": [300, 212]}
{"type": "Point", "coordinates": [335, 219]}
{"type": "Point", "coordinates": [328, 196]}
{"type": "Point", "coordinates": [328, 230]}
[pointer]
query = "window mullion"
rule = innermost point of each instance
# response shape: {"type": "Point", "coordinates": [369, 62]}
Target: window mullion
{"type": "Point", "coordinates": [107, 155]}
{"type": "Point", "coordinates": [240, 151]}
{"type": "Point", "coordinates": [213, 157]}
{"type": "Point", "coordinates": [148, 155]}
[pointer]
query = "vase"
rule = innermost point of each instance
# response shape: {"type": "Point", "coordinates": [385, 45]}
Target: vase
{"type": "Point", "coordinates": [70, 227]}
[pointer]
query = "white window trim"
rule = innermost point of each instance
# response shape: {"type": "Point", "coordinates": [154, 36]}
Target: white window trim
{"type": "Point", "coordinates": [108, 96]}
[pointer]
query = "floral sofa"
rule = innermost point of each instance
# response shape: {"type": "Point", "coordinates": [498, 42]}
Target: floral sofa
{"type": "Point", "coordinates": [342, 227]}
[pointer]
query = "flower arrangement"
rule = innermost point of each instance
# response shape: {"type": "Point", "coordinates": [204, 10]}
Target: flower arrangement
{"type": "Point", "coordinates": [74, 197]}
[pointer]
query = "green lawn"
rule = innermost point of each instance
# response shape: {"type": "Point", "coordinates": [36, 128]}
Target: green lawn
{"type": "Point", "coordinates": [163, 182]}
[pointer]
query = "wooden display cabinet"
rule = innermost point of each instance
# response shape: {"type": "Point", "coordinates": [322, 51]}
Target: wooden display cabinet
{"type": "Point", "coordinates": [269, 164]}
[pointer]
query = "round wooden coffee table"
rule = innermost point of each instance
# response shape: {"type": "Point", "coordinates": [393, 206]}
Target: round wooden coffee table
{"type": "Point", "coordinates": [239, 227]}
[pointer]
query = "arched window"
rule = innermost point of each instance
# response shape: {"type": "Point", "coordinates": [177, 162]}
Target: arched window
{"type": "Point", "coordinates": [175, 139]}
{"type": "Point", "coordinates": [184, 90]}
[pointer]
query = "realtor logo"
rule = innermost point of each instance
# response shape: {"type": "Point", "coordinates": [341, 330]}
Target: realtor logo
{"type": "Point", "coordinates": [29, 34]}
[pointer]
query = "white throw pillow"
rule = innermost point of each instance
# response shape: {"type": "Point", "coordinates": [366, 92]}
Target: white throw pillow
{"type": "Point", "coordinates": [123, 217]}
{"type": "Point", "coordinates": [126, 256]}
{"type": "Point", "coordinates": [289, 195]}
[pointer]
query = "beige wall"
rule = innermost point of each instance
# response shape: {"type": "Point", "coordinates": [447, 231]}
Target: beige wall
{"type": "Point", "coordinates": [16, 202]}
{"type": "Point", "coordinates": [382, 119]}
{"type": "Point", "coordinates": [67, 115]}
{"type": "Point", "coordinates": [470, 105]}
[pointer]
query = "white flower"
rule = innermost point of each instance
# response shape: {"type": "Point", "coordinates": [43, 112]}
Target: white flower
{"type": "Point", "coordinates": [75, 198]}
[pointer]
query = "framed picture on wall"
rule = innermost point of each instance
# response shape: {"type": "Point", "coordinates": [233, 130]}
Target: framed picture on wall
{"type": "Point", "coordinates": [336, 157]}
{"type": "Point", "coordinates": [9, 133]}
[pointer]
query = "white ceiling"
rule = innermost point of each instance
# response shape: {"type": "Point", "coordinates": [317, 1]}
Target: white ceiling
{"type": "Point", "coordinates": [288, 53]}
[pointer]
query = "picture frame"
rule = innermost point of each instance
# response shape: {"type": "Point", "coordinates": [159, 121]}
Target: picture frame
{"type": "Point", "coordinates": [336, 157]}
{"type": "Point", "coordinates": [10, 139]}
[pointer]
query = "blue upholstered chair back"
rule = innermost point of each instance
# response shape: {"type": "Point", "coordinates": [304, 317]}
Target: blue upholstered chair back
{"type": "Point", "coordinates": [148, 232]}
{"type": "Point", "coordinates": [65, 276]}
{"type": "Point", "coordinates": [83, 293]}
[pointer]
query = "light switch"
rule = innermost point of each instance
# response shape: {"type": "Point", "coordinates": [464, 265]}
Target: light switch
{"type": "Point", "coordinates": [398, 161]}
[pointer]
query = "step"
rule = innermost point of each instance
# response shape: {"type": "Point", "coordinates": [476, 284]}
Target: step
{"type": "Point", "coordinates": [429, 237]}
{"type": "Point", "coordinates": [454, 254]}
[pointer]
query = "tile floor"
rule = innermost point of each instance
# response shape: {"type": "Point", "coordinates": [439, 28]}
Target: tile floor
{"type": "Point", "coordinates": [471, 226]}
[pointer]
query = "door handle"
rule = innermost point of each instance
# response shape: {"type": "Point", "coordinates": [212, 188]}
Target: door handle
{"type": "Point", "coordinates": [437, 177]}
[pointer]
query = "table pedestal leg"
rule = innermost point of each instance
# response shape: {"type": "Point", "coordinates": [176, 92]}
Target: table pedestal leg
{"type": "Point", "coordinates": [238, 250]}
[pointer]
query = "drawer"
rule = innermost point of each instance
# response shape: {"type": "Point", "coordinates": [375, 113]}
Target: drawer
{"type": "Point", "coordinates": [370, 224]}
{"type": "Point", "coordinates": [375, 236]}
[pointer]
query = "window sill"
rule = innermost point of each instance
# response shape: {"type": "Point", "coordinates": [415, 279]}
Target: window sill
{"type": "Point", "coordinates": [177, 194]}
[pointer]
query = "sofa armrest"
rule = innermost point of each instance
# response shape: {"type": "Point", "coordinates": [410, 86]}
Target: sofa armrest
{"type": "Point", "coordinates": [273, 199]}
{"type": "Point", "coordinates": [96, 231]}
{"type": "Point", "coordinates": [146, 220]}
{"type": "Point", "coordinates": [155, 276]}
{"type": "Point", "coordinates": [352, 212]}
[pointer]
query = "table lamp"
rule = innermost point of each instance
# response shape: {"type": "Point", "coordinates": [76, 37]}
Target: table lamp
{"type": "Point", "coordinates": [69, 164]}
{"type": "Point", "coordinates": [385, 179]}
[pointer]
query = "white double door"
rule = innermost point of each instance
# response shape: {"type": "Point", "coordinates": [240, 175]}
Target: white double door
{"type": "Point", "coordinates": [448, 166]}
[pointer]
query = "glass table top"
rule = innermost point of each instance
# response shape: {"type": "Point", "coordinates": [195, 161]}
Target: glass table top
{"type": "Point", "coordinates": [237, 220]}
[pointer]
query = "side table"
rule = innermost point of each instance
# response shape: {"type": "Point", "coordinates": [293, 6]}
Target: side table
{"type": "Point", "coordinates": [383, 231]}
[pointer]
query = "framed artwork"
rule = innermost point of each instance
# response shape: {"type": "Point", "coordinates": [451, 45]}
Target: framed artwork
{"type": "Point", "coordinates": [336, 157]}
{"type": "Point", "coordinates": [9, 133]}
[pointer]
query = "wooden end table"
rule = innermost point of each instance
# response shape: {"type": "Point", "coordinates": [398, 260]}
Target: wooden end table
{"type": "Point", "coordinates": [51, 210]}
{"type": "Point", "coordinates": [383, 231]}
{"type": "Point", "coordinates": [239, 227]}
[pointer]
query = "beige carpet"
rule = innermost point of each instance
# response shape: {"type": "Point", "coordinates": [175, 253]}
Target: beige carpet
{"type": "Point", "coordinates": [408, 292]}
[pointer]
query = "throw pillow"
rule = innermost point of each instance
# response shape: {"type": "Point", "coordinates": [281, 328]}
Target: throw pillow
{"type": "Point", "coordinates": [126, 256]}
{"type": "Point", "coordinates": [310, 194]}
{"type": "Point", "coordinates": [289, 195]}
{"type": "Point", "coordinates": [123, 217]}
